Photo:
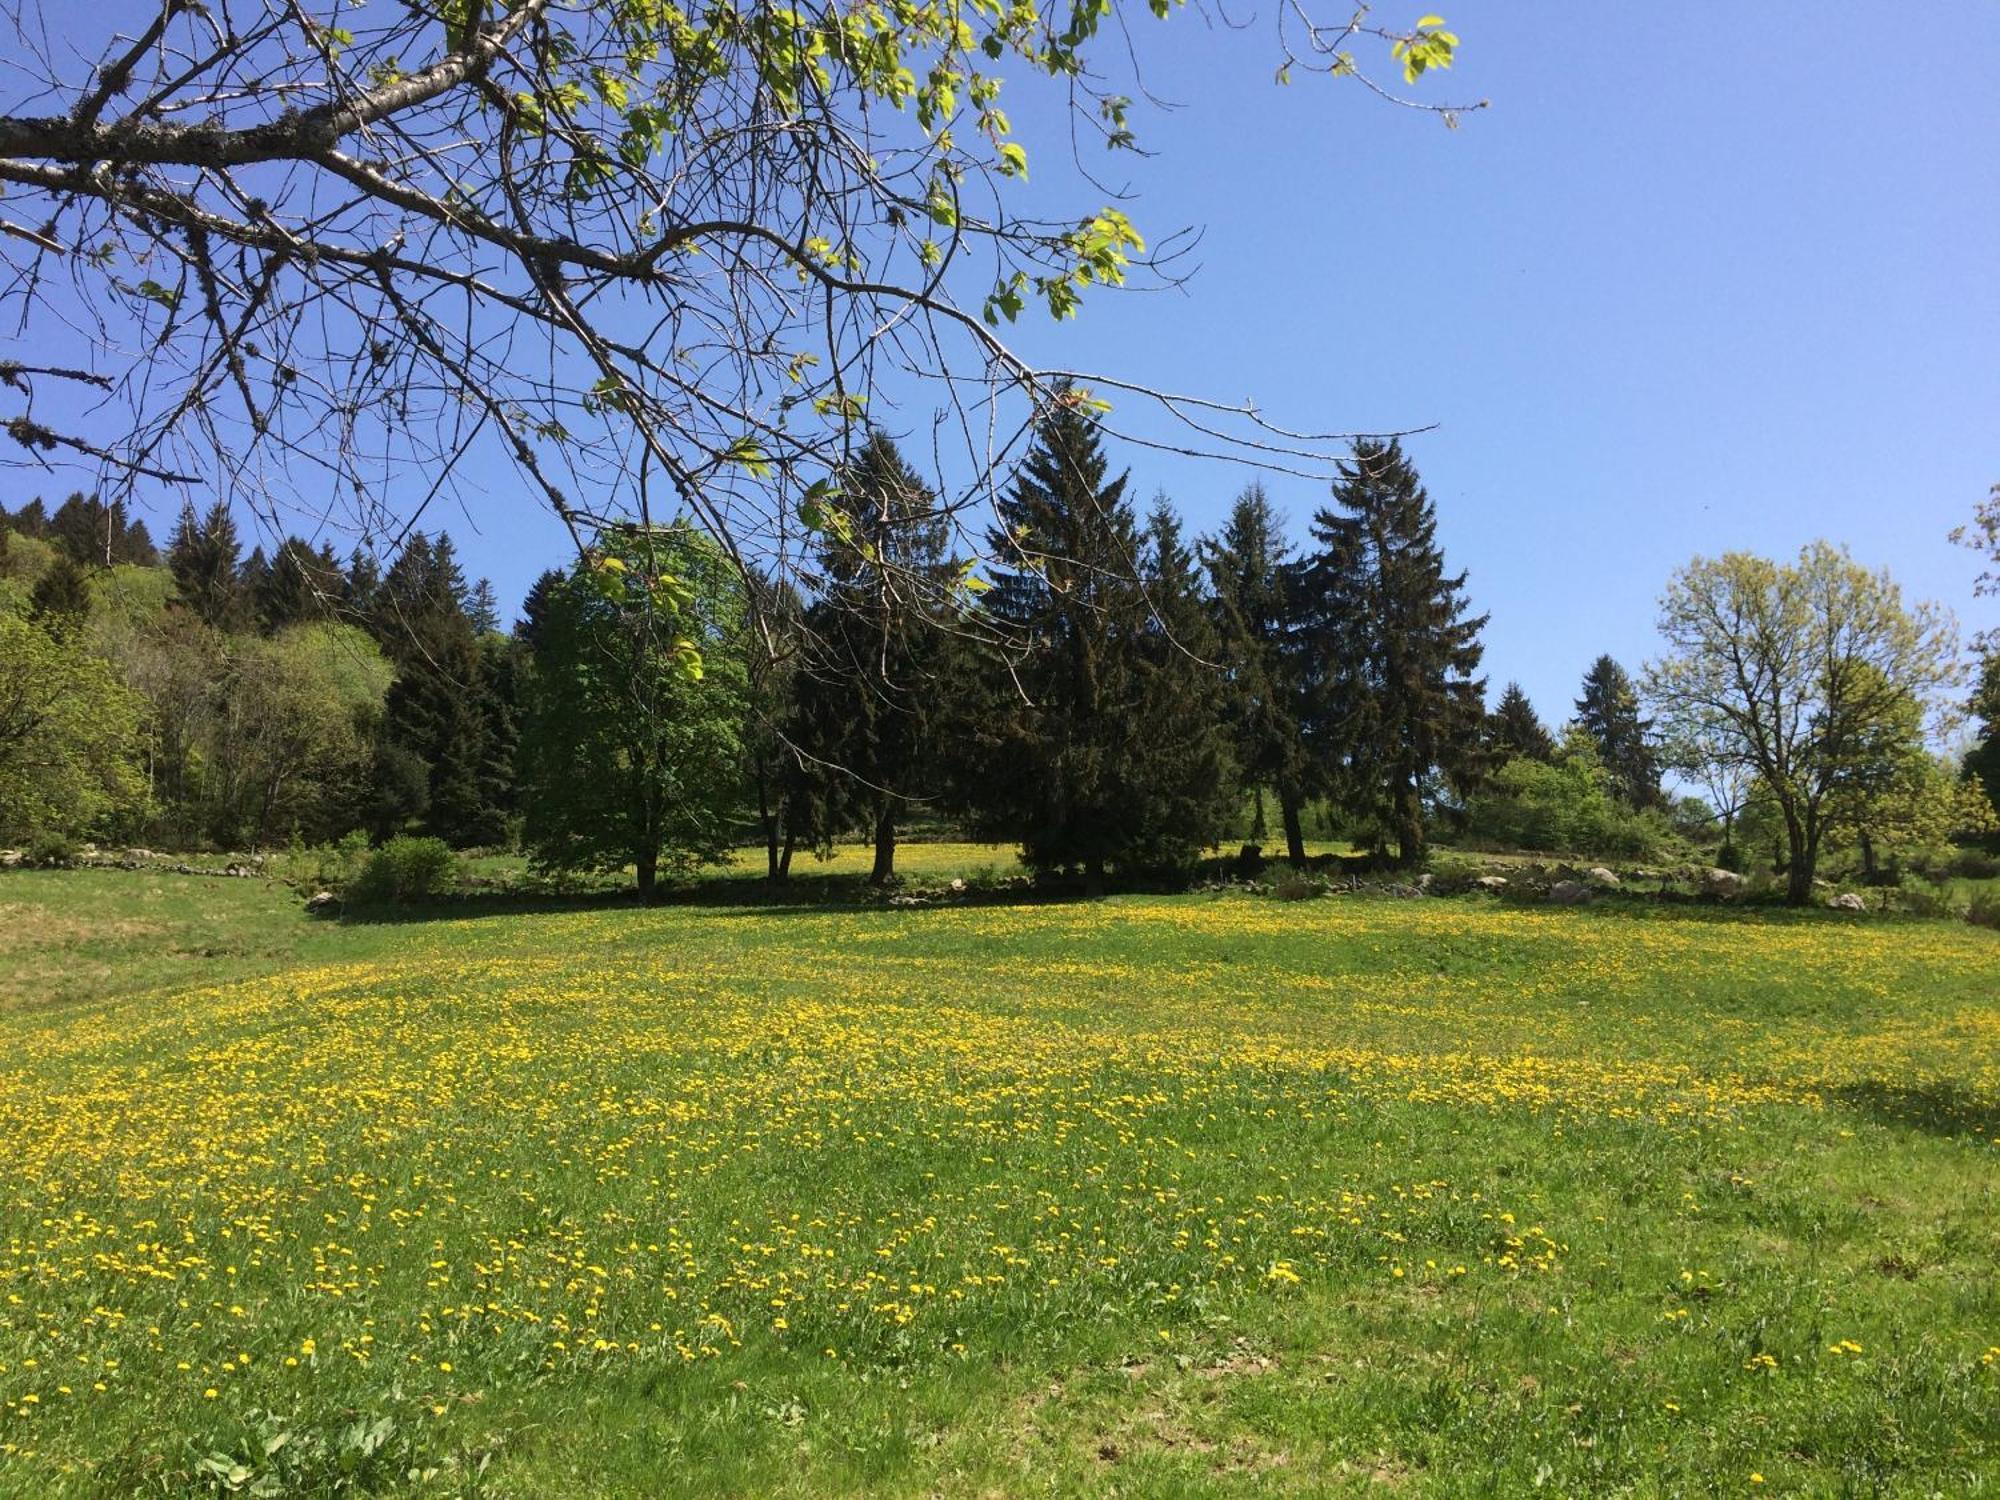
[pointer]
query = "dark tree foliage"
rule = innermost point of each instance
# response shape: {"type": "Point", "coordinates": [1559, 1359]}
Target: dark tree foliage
{"type": "Point", "coordinates": [60, 600]}
{"type": "Point", "coordinates": [435, 713]}
{"type": "Point", "coordinates": [784, 786]}
{"type": "Point", "coordinates": [535, 607]}
{"type": "Point", "coordinates": [1396, 713]}
{"type": "Point", "coordinates": [1983, 759]}
{"type": "Point", "coordinates": [299, 584]}
{"type": "Point", "coordinates": [204, 559]}
{"type": "Point", "coordinates": [1608, 712]}
{"type": "Point", "coordinates": [359, 587]}
{"type": "Point", "coordinates": [1514, 731]}
{"type": "Point", "coordinates": [31, 519]}
{"type": "Point", "coordinates": [1250, 572]}
{"type": "Point", "coordinates": [96, 535]}
{"type": "Point", "coordinates": [1187, 764]}
{"type": "Point", "coordinates": [866, 687]}
{"type": "Point", "coordinates": [1056, 747]}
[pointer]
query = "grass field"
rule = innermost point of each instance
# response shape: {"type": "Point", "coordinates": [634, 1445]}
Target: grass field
{"type": "Point", "coordinates": [1175, 1195]}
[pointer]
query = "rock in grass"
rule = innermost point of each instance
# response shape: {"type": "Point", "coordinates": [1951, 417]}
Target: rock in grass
{"type": "Point", "coordinates": [1849, 901]}
{"type": "Point", "coordinates": [1599, 875]}
{"type": "Point", "coordinates": [1569, 893]}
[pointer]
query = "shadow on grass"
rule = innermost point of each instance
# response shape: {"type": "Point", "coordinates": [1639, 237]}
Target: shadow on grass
{"type": "Point", "coordinates": [741, 895]}
{"type": "Point", "coordinates": [1941, 1108]}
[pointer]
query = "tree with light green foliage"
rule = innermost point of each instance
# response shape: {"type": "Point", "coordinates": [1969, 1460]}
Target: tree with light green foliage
{"type": "Point", "coordinates": [631, 745]}
{"type": "Point", "coordinates": [69, 735]}
{"type": "Point", "coordinates": [1800, 673]}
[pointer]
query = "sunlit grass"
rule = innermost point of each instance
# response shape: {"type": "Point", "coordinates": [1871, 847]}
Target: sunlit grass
{"type": "Point", "coordinates": [1162, 1194]}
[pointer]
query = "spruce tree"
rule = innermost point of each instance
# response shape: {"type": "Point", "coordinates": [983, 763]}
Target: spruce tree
{"type": "Point", "coordinates": [1395, 711]}
{"type": "Point", "coordinates": [1185, 760]}
{"type": "Point", "coordinates": [299, 585]}
{"type": "Point", "coordinates": [1057, 753]}
{"type": "Point", "coordinates": [60, 599]}
{"type": "Point", "coordinates": [1515, 732]}
{"type": "Point", "coordinates": [1608, 712]}
{"type": "Point", "coordinates": [1250, 571]}
{"type": "Point", "coordinates": [868, 675]}
{"type": "Point", "coordinates": [434, 715]}
{"type": "Point", "coordinates": [203, 559]}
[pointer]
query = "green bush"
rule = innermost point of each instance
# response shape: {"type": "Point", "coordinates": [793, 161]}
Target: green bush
{"type": "Point", "coordinates": [51, 850]}
{"type": "Point", "coordinates": [405, 871]}
{"type": "Point", "coordinates": [1564, 808]}
{"type": "Point", "coordinates": [1984, 911]}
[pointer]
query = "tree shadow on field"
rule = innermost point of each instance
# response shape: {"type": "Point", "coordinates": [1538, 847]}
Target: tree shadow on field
{"type": "Point", "coordinates": [728, 895]}
{"type": "Point", "coordinates": [1942, 1108]}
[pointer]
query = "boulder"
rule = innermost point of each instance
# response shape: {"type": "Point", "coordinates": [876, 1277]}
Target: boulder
{"type": "Point", "coordinates": [1721, 882]}
{"type": "Point", "coordinates": [320, 903]}
{"type": "Point", "coordinates": [1491, 882]}
{"type": "Point", "coordinates": [1569, 893]}
{"type": "Point", "coordinates": [12, 859]}
{"type": "Point", "coordinates": [1601, 876]}
{"type": "Point", "coordinates": [1848, 901]}
{"type": "Point", "coordinates": [957, 886]}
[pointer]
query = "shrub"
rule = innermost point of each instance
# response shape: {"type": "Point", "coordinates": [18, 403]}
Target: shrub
{"type": "Point", "coordinates": [1984, 911]}
{"type": "Point", "coordinates": [51, 851]}
{"type": "Point", "coordinates": [405, 871]}
{"type": "Point", "coordinates": [1297, 885]}
{"type": "Point", "coordinates": [1973, 864]}
{"type": "Point", "coordinates": [1566, 807]}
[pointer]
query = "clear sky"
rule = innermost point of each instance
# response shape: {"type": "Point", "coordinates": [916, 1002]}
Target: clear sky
{"type": "Point", "coordinates": [1699, 278]}
{"type": "Point", "coordinates": [1696, 280]}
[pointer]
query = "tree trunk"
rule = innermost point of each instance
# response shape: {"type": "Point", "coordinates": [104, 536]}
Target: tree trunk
{"type": "Point", "coordinates": [1869, 872]}
{"type": "Point", "coordinates": [785, 855]}
{"type": "Point", "coordinates": [1258, 832]}
{"type": "Point", "coordinates": [1093, 878]}
{"type": "Point", "coordinates": [1295, 835]}
{"type": "Point", "coordinates": [770, 822]}
{"type": "Point", "coordinates": [1409, 826]}
{"type": "Point", "coordinates": [1799, 866]}
{"type": "Point", "coordinates": [647, 865]}
{"type": "Point", "coordinates": [885, 843]}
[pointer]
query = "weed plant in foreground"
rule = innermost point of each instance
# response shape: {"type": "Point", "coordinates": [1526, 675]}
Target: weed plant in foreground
{"type": "Point", "coordinates": [1175, 1195]}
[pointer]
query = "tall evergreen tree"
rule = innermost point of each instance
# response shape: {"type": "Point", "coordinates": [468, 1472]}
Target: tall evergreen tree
{"type": "Point", "coordinates": [1396, 711]}
{"type": "Point", "coordinates": [1608, 712]}
{"type": "Point", "coordinates": [203, 559]}
{"type": "Point", "coordinates": [1186, 759]}
{"type": "Point", "coordinates": [1982, 761]}
{"type": "Point", "coordinates": [1059, 753]}
{"type": "Point", "coordinates": [1250, 571]}
{"type": "Point", "coordinates": [1514, 731]}
{"type": "Point", "coordinates": [535, 607]}
{"type": "Point", "coordinates": [299, 585]}
{"type": "Point", "coordinates": [867, 681]}
{"type": "Point", "coordinates": [60, 599]}
{"type": "Point", "coordinates": [434, 716]}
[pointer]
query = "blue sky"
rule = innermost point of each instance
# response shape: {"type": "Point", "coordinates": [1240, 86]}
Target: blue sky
{"type": "Point", "coordinates": [1696, 280]}
{"type": "Point", "coordinates": [1691, 283]}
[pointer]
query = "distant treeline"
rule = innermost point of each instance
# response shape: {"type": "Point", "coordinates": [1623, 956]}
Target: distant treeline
{"type": "Point", "coordinates": [1087, 682]}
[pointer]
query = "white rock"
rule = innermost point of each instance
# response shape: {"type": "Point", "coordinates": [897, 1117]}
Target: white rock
{"type": "Point", "coordinates": [1602, 876]}
{"type": "Point", "coordinates": [1569, 893]}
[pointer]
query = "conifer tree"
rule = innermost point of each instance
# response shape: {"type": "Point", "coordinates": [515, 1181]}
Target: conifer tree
{"type": "Point", "coordinates": [1608, 711]}
{"type": "Point", "coordinates": [1514, 731]}
{"type": "Point", "coordinates": [1250, 571]}
{"type": "Point", "coordinates": [204, 561]}
{"type": "Point", "coordinates": [299, 585]}
{"type": "Point", "coordinates": [60, 599]}
{"type": "Point", "coordinates": [434, 716]}
{"type": "Point", "coordinates": [868, 678]}
{"type": "Point", "coordinates": [1185, 758]}
{"type": "Point", "coordinates": [1395, 713]}
{"type": "Point", "coordinates": [1058, 755]}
